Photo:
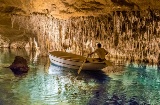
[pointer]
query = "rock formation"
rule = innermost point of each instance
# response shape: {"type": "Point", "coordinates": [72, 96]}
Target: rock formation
{"type": "Point", "coordinates": [19, 65]}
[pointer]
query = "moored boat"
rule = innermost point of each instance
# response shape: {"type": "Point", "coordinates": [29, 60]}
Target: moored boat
{"type": "Point", "coordinates": [73, 61]}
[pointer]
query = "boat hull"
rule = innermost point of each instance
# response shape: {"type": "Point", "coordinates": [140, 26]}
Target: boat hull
{"type": "Point", "coordinates": [73, 61]}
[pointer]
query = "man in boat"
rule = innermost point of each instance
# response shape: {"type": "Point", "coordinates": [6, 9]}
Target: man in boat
{"type": "Point", "coordinates": [101, 52]}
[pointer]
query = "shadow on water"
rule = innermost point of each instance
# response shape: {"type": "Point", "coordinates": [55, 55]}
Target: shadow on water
{"type": "Point", "coordinates": [97, 75]}
{"type": "Point", "coordinates": [101, 95]}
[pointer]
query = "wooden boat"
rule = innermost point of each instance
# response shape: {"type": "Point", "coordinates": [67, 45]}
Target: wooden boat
{"type": "Point", "coordinates": [74, 61]}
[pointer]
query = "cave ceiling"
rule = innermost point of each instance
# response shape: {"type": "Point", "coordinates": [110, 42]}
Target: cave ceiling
{"type": "Point", "coordinates": [73, 7]}
{"type": "Point", "coordinates": [64, 9]}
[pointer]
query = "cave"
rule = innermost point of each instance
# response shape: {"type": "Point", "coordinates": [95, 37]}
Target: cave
{"type": "Point", "coordinates": [128, 29]}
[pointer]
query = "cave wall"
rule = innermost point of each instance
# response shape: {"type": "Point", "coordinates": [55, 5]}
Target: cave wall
{"type": "Point", "coordinates": [124, 33]}
{"type": "Point", "coordinates": [77, 25]}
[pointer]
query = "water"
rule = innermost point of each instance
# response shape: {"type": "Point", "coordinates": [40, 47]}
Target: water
{"type": "Point", "coordinates": [48, 84]}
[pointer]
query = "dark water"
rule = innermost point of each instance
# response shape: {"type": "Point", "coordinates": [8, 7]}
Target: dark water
{"type": "Point", "coordinates": [47, 84]}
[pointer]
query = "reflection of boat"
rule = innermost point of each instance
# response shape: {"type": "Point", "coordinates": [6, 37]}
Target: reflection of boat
{"type": "Point", "coordinates": [74, 61]}
{"type": "Point", "coordinates": [54, 69]}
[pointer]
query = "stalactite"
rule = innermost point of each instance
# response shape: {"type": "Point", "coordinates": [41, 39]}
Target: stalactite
{"type": "Point", "coordinates": [36, 44]}
{"type": "Point", "coordinates": [51, 32]}
{"type": "Point", "coordinates": [12, 20]}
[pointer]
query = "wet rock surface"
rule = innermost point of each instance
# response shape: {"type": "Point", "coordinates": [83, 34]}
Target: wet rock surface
{"type": "Point", "coordinates": [19, 65]}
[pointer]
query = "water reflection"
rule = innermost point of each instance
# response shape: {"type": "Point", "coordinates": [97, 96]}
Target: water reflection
{"type": "Point", "coordinates": [53, 69]}
{"type": "Point", "coordinates": [97, 76]}
{"type": "Point", "coordinates": [48, 84]}
{"type": "Point", "coordinates": [77, 87]}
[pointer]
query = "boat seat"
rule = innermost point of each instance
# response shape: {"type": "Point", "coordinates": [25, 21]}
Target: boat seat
{"type": "Point", "coordinates": [65, 56]}
{"type": "Point", "coordinates": [76, 59]}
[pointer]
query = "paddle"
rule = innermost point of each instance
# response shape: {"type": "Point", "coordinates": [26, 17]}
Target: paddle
{"type": "Point", "coordinates": [82, 64]}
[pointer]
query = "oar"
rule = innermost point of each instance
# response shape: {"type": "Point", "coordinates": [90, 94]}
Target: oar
{"type": "Point", "coordinates": [82, 64]}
